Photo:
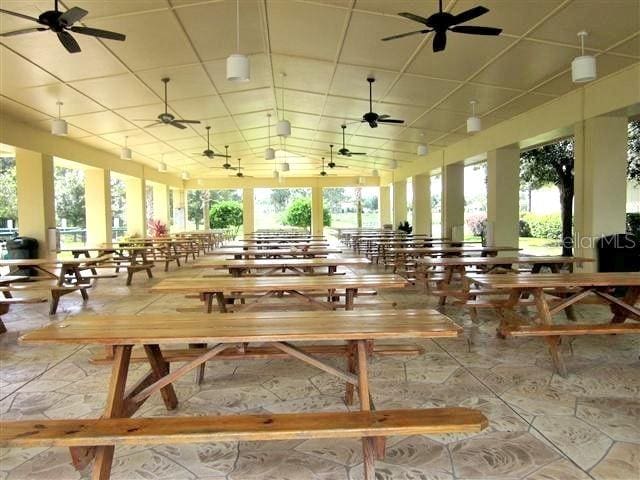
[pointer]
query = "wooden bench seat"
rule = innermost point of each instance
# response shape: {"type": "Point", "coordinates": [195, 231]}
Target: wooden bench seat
{"type": "Point", "coordinates": [204, 429]}
{"type": "Point", "coordinates": [6, 302]}
{"type": "Point", "coordinates": [582, 329]}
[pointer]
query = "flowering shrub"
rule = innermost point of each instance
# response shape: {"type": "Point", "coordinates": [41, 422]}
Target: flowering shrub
{"type": "Point", "coordinates": [477, 223]}
{"type": "Point", "coordinates": [157, 228]}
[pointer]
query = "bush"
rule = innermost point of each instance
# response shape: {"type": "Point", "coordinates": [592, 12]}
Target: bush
{"type": "Point", "coordinates": [226, 214]}
{"type": "Point", "coordinates": [298, 214]}
{"type": "Point", "coordinates": [544, 226]}
{"type": "Point", "coordinates": [524, 229]}
{"type": "Point", "coordinates": [477, 223]}
{"type": "Point", "coordinates": [405, 227]}
{"type": "Point", "coordinates": [633, 224]}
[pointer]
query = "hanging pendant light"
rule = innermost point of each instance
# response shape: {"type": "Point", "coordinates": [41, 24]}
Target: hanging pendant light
{"type": "Point", "coordinates": [283, 127]}
{"type": "Point", "coordinates": [362, 181]}
{"type": "Point", "coordinates": [58, 125]}
{"type": "Point", "coordinates": [185, 176]}
{"type": "Point", "coordinates": [422, 150]}
{"type": "Point", "coordinates": [375, 173]}
{"type": "Point", "coordinates": [284, 166]}
{"type": "Point", "coordinates": [125, 152]}
{"type": "Point", "coordinates": [162, 168]}
{"type": "Point", "coordinates": [474, 124]}
{"type": "Point", "coordinates": [269, 153]}
{"type": "Point", "coordinates": [583, 68]}
{"type": "Point", "coordinates": [238, 66]}
{"type": "Point", "coordinates": [394, 164]}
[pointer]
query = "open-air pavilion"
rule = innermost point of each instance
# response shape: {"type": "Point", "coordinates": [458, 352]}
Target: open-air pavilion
{"type": "Point", "coordinates": [220, 101]}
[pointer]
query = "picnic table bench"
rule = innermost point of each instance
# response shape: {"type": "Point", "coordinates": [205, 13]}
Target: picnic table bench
{"type": "Point", "coordinates": [299, 266]}
{"type": "Point", "coordinates": [95, 440]}
{"type": "Point", "coordinates": [275, 253]}
{"type": "Point", "coordinates": [573, 287]}
{"type": "Point", "coordinates": [7, 299]}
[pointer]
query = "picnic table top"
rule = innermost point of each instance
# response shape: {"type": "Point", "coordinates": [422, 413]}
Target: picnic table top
{"type": "Point", "coordinates": [35, 262]}
{"type": "Point", "coordinates": [277, 262]}
{"type": "Point", "coordinates": [460, 261]}
{"type": "Point", "coordinates": [245, 327]}
{"type": "Point", "coordinates": [260, 284]}
{"type": "Point", "coordinates": [550, 280]}
{"type": "Point", "coordinates": [465, 249]}
{"type": "Point", "coordinates": [279, 251]}
{"type": "Point", "coordinates": [410, 241]}
{"type": "Point", "coordinates": [312, 244]}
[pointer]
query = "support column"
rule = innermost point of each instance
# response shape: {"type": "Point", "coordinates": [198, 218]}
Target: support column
{"type": "Point", "coordinates": [503, 196]}
{"type": "Point", "coordinates": [161, 202]}
{"type": "Point", "coordinates": [399, 202]}
{"type": "Point", "coordinates": [384, 205]}
{"type": "Point", "coordinates": [97, 194]}
{"type": "Point", "coordinates": [422, 204]}
{"type": "Point", "coordinates": [179, 212]}
{"type": "Point", "coordinates": [453, 201]}
{"type": "Point", "coordinates": [206, 206]}
{"type": "Point", "coordinates": [36, 198]}
{"type": "Point", "coordinates": [600, 182]}
{"type": "Point", "coordinates": [247, 210]}
{"type": "Point", "coordinates": [317, 211]}
{"type": "Point", "coordinates": [136, 206]}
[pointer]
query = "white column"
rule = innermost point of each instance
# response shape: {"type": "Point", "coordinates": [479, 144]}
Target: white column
{"type": "Point", "coordinates": [161, 202]}
{"type": "Point", "coordinates": [384, 205]}
{"type": "Point", "coordinates": [36, 198]}
{"type": "Point", "coordinates": [179, 213]}
{"type": "Point", "coordinates": [452, 199]}
{"type": "Point", "coordinates": [136, 206]}
{"type": "Point", "coordinates": [399, 202]}
{"type": "Point", "coordinates": [422, 204]}
{"type": "Point", "coordinates": [503, 196]}
{"type": "Point", "coordinates": [99, 218]}
{"type": "Point", "coordinates": [247, 210]}
{"type": "Point", "coordinates": [600, 182]}
{"type": "Point", "coordinates": [317, 211]}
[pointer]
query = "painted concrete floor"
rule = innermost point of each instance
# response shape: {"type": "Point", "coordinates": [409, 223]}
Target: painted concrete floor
{"type": "Point", "coordinates": [541, 426]}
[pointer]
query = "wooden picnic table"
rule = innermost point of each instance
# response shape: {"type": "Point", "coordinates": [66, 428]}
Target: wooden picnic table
{"type": "Point", "coordinates": [313, 244]}
{"type": "Point", "coordinates": [89, 441]}
{"type": "Point", "coordinates": [299, 266]}
{"type": "Point", "coordinates": [573, 287]}
{"type": "Point", "coordinates": [69, 279]}
{"type": "Point", "coordinates": [460, 266]}
{"type": "Point", "coordinates": [280, 252]}
{"type": "Point", "coordinates": [225, 289]}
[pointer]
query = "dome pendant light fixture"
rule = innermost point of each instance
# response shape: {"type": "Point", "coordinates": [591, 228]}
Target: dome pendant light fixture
{"type": "Point", "coordinates": [125, 152]}
{"type": "Point", "coordinates": [474, 124]}
{"type": "Point", "coordinates": [284, 166]}
{"type": "Point", "coordinates": [583, 68]}
{"type": "Point", "coordinates": [283, 127]}
{"type": "Point", "coordinates": [162, 168]}
{"type": "Point", "coordinates": [238, 66]}
{"type": "Point", "coordinates": [185, 176]}
{"type": "Point", "coordinates": [59, 126]}
{"type": "Point", "coordinates": [269, 153]}
{"type": "Point", "coordinates": [422, 148]}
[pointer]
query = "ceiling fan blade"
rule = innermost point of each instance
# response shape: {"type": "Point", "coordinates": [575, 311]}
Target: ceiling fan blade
{"type": "Point", "coordinates": [439, 41]}
{"type": "Point", "coordinates": [154, 124]}
{"type": "Point", "coordinates": [23, 31]}
{"type": "Point", "coordinates": [470, 14]}
{"type": "Point", "coordinates": [356, 153]}
{"type": "Point", "coordinates": [186, 121]}
{"type": "Point", "coordinates": [473, 30]}
{"type": "Point", "coordinates": [21, 15]}
{"type": "Point", "coordinates": [68, 42]}
{"type": "Point", "coordinates": [177, 124]}
{"type": "Point", "coordinates": [96, 32]}
{"type": "Point", "coordinates": [146, 120]}
{"type": "Point", "coordinates": [414, 17]}
{"type": "Point", "coordinates": [221, 155]}
{"type": "Point", "coordinates": [390, 120]}
{"type": "Point", "coordinates": [72, 15]}
{"type": "Point", "coordinates": [401, 35]}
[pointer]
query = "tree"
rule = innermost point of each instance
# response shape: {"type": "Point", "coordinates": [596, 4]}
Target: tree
{"type": "Point", "coordinates": [299, 214]}
{"type": "Point", "coordinates": [69, 195]}
{"type": "Point", "coordinates": [358, 200]}
{"type": "Point", "coordinates": [226, 214]}
{"type": "Point", "coordinates": [8, 190]}
{"type": "Point", "coordinates": [194, 206]}
{"type": "Point", "coordinates": [280, 198]}
{"type": "Point", "coordinates": [334, 198]}
{"type": "Point", "coordinates": [553, 163]}
{"type": "Point", "coordinates": [633, 151]}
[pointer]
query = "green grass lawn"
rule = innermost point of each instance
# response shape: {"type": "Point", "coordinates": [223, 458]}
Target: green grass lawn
{"type": "Point", "coordinates": [533, 246]}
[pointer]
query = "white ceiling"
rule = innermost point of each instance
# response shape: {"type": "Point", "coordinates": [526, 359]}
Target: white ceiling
{"type": "Point", "coordinates": [326, 48]}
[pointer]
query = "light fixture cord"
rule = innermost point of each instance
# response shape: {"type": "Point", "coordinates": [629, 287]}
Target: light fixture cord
{"type": "Point", "coordinates": [283, 77]}
{"type": "Point", "coordinates": [269, 130]}
{"type": "Point", "coordinates": [238, 26]}
{"type": "Point", "coordinates": [582, 45]}
{"type": "Point", "coordinates": [59, 110]}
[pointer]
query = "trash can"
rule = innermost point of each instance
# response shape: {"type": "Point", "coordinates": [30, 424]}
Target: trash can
{"type": "Point", "coordinates": [618, 253]}
{"type": "Point", "coordinates": [22, 247]}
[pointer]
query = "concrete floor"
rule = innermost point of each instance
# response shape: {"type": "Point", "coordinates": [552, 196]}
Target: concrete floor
{"type": "Point", "coordinates": [541, 426]}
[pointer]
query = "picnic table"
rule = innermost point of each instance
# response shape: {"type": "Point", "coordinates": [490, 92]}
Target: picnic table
{"type": "Point", "coordinates": [69, 279]}
{"type": "Point", "coordinates": [7, 299]}
{"type": "Point", "coordinates": [278, 252]}
{"type": "Point", "coordinates": [95, 440]}
{"type": "Point", "coordinates": [225, 289]}
{"type": "Point", "coordinates": [299, 266]}
{"type": "Point", "coordinates": [276, 245]}
{"type": "Point", "coordinates": [572, 287]}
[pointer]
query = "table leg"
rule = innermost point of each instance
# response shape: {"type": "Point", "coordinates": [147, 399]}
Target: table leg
{"type": "Point", "coordinates": [630, 298]}
{"type": "Point", "coordinates": [115, 402]}
{"type": "Point", "coordinates": [446, 283]}
{"type": "Point", "coordinates": [350, 294]}
{"type": "Point", "coordinates": [554, 341]}
{"type": "Point", "coordinates": [160, 368]}
{"type": "Point", "coordinates": [368, 443]}
{"type": "Point", "coordinates": [351, 368]}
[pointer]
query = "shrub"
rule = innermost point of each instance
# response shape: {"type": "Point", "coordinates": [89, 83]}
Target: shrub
{"type": "Point", "coordinates": [298, 214]}
{"type": "Point", "coordinates": [524, 229]}
{"type": "Point", "coordinates": [157, 228]}
{"type": "Point", "coordinates": [477, 224]}
{"type": "Point", "coordinates": [226, 214]}
{"type": "Point", "coordinates": [544, 226]}
{"type": "Point", "coordinates": [633, 224]}
{"type": "Point", "coordinates": [405, 227]}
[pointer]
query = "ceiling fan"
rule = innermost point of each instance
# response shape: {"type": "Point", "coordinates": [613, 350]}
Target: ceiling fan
{"type": "Point", "coordinates": [239, 173]}
{"type": "Point", "coordinates": [344, 151]}
{"type": "Point", "coordinates": [166, 118]}
{"type": "Point", "coordinates": [60, 22]}
{"type": "Point", "coordinates": [226, 165]}
{"type": "Point", "coordinates": [371, 117]}
{"type": "Point", "coordinates": [331, 163]}
{"type": "Point", "coordinates": [323, 172]}
{"type": "Point", "coordinates": [208, 152]}
{"type": "Point", "coordinates": [442, 21]}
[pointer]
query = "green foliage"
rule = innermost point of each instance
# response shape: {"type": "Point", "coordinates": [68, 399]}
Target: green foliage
{"type": "Point", "coordinates": [633, 151]}
{"type": "Point", "coordinates": [335, 198]}
{"type": "Point", "coordinates": [8, 190]}
{"type": "Point", "coordinates": [282, 197]}
{"type": "Point", "coordinates": [196, 200]}
{"type": "Point", "coordinates": [226, 214]}
{"type": "Point", "coordinates": [69, 194]}
{"type": "Point", "coordinates": [477, 224]}
{"type": "Point", "coordinates": [298, 214]}
{"type": "Point", "coordinates": [118, 201]}
{"type": "Point", "coordinates": [405, 227]}
{"type": "Point", "coordinates": [633, 224]}
{"type": "Point", "coordinates": [543, 226]}
{"type": "Point", "coordinates": [524, 229]}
